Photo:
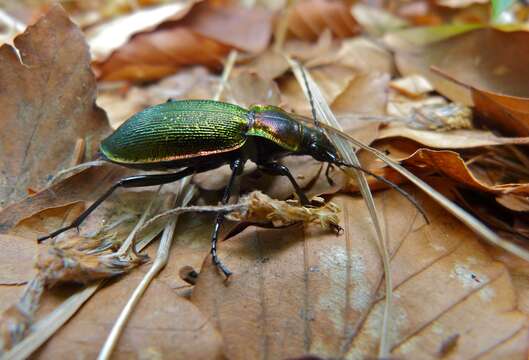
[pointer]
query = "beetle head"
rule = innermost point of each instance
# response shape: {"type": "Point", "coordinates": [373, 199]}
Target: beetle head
{"type": "Point", "coordinates": [317, 144]}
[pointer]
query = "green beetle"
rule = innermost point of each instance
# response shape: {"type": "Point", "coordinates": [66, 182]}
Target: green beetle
{"type": "Point", "coordinates": [199, 135]}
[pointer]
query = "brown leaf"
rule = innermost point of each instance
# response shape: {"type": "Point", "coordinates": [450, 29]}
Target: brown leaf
{"type": "Point", "coordinates": [307, 19]}
{"type": "Point", "coordinates": [376, 21]}
{"type": "Point", "coordinates": [162, 324]}
{"type": "Point", "coordinates": [503, 111]}
{"type": "Point", "coordinates": [203, 37]}
{"type": "Point", "coordinates": [47, 98]}
{"type": "Point", "coordinates": [456, 139]}
{"type": "Point", "coordinates": [359, 53]}
{"type": "Point", "coordinates": [495, 75]}
{"type": "Point", "coordinates": [332, 79]}
{"type": "Point", "coordinates": [413, 86]}
{"type": "Point", "coordinates": [107, 37]}
{"type": "Point", "coordinates": [152, 56]}
{"type": "Point", "coordinates": [514, 202]}
{"type": "Point", "coordinates": [84, 186]}
{"type": "Point", "coordinates": [450, 164]}
{"type": "Point", "coordinates": [247, 29]}
{"type": "Point", "coordinates": [16, 256]}
{"type": "Point", "coordinates": [365, 94]}
{"type": "Point", "coordinates": [304, 291]}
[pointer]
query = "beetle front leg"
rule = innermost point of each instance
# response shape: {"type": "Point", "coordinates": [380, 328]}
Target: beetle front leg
{"type": "Point", "coordinates": [237, 165]}
{"type": "Point", "coordinates": [279, 169]}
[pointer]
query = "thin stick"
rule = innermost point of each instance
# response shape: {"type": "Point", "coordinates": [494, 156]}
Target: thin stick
{"type": "Point", "coordinates": [349, 156]}
{"type": "Point", "coordinates": [162, 256]}
{"type": "Point", "coordinates": [232, 57]}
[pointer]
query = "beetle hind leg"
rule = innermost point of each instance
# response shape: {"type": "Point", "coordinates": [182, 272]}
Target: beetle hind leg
{"type": "Point", "coordinates": [236, 166]}
{"type": "Point", "coordinates": [132, 181]}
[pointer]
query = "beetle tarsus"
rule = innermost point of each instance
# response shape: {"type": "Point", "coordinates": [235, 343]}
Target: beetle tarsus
{"type": "Point", "coordinates": [222, 268]}
{"type": "Point", "coordinates": [337, 229]}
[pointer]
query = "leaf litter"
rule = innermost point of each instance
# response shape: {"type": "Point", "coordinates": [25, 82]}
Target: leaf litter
{"type": "Point", "coordinates": [324, 292]}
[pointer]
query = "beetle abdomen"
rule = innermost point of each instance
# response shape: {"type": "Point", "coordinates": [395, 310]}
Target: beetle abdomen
{"type": "Point", "coordinates": [177, 130]}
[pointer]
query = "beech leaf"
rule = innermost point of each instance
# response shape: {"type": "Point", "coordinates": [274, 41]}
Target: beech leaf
{"type": "Point", "coordinates": [47, 97]}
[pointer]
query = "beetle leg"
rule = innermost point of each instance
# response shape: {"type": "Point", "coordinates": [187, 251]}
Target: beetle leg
{"type": "Point", "coordinates": [132, 181]}
{"type": "Point", "coordinates": [279, 169]}
{"type": "Point", "coordinates": [236, 166]}
{"type": "Point", "coordinates": [327, 175]}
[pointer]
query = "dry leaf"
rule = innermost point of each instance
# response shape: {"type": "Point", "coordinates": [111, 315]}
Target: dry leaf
{"type": "Point", "coordinates": [514, 202]}
{"type": "Point", "coordinates": [365, 94]}
{"type": "Point", "coordinates": [17, 255]}
{"type": "Point", "coordinates": [376, 21]}
{"type": "Point", "coordinates": [453, 166]}
{"type": "Point", "coordinates": [332, 79]}
{"type": "Point", "coordinates": [270, 64]}
{"type": "Point", "coordinates": [152, 56]}
{"type": "Point", "coordinates": [307, 19]}
{"type": "Point", "coordinates": [84, 186]}
{"type": "Point", "coordinates": [455, 139]}
{"type": "Point", "coordinates": [359, 53]}
{"type": "Point", "coordinates": [203, 37]}
{"type": "Point", "coordinates": [247, 29]}
{"type": "Point", "coordinates": [163, 324]}
{"type": "Point", "coordinates": [109, 36]}
{"type": "Point", "coordinates": [413, 86]}
{"type": "Point", "coordinates": [495, 75]}
{"type": "Point", "coordinates": [305, 291]}
{"type": "Point", "coordinates": [459, 3]}
{"type": "Point", "coordinates": [48, 102]}
{"type": "Point", "coordinates": [306, 51]}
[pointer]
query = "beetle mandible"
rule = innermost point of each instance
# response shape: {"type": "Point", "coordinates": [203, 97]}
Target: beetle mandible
{"type": "Point", "coordinates": [200, 135]}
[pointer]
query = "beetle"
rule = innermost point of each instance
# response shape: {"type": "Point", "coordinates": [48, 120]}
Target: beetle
{"type": "Point", "coordinates": [195, 136]}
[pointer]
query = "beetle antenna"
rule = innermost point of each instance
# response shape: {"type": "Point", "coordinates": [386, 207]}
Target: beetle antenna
{"type": "Point", "coordinates": [311, 99]}
{"type": "Point", "coordinates": [391, 184]}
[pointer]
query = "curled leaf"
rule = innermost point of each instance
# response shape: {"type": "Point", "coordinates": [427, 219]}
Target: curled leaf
{"type": "Point", "coordinates": [48, 102]}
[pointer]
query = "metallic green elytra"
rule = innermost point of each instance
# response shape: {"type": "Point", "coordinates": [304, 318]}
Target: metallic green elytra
{"type": "Point", "coordinates": [177, 132]}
